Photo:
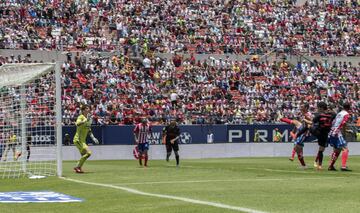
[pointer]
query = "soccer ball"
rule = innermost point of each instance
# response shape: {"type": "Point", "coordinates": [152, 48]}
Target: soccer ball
{"type": "Point", "coordinates": [185, 137]}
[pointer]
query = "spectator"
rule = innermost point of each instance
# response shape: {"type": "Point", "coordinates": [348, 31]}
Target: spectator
{"type": "Point", "coordinates": [208, 91]}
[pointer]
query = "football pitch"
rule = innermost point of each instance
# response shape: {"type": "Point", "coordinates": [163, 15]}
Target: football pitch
{"type": "Point", "coordinates": [208, 185]}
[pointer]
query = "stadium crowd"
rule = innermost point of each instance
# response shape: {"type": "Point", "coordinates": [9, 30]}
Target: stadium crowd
{"type": "Point", "coordinates": [210, 91]}
{"type": "Point", "coordinates": [122, 90]}
{"type": "Point", "coordinates": [201, 26]}
{"type": "Point", "coordinates": [134, 83]}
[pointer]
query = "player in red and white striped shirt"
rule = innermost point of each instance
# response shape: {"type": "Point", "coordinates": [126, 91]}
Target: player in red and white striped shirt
{"type": "Point", "coordinates": [141, 132]}
{"type": "Point", "coordinates": [337, 140]}
{"type": "Point", "coordinates": [302, 132]}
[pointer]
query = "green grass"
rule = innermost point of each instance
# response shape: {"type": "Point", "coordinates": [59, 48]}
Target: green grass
{"type": "Point", "coordinates": [264, 184]}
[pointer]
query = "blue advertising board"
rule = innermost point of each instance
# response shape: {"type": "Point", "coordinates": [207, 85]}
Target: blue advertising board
{"type": "Point", "coordinates": [190, 134]}
{"type": "Point", "coordinates": [246, 133]}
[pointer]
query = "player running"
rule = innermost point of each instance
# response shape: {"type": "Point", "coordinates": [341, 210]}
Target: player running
{"type": "Point", "coordinates": [141, 132]}
{"type": "Point", "coordinates": [336, 139]}
{"type": "Point", "coordinates": [302, 132]}
{"type": "Point", "coordinates": [83, 129]}
{"type": "Point", "coordinates": [172, 133]}
{"type": "Point", "coordinates": [320, 128]}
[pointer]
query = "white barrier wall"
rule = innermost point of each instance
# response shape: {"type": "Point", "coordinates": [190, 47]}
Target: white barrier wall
{"type": "Point", "coordinates": [198, 151]}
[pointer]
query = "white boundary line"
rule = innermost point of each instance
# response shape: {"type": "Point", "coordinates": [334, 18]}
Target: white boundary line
{"type": "Point", "coordinates": [134, 191]}
{"type": "Point", "coordinates": [233, 180]}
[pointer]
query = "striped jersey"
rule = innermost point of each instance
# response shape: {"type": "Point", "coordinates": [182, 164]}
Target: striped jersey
{"type": "Point", "coordinates": [303, 129]}
{"type": "Point", "coordinates": [339, 122]}
{"type": "Point", "coordinates": [141, 131]}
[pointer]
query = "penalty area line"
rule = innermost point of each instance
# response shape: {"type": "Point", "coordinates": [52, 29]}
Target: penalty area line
{"type": "Point", "coordinates": [184, 199]}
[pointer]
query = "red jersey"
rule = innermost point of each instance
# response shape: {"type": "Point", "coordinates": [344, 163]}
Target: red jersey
{"type": "Point", "coordinates": [141, 131]}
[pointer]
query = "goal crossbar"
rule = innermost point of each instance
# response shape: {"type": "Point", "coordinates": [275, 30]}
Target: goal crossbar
{"type": "Point", "coordinates": [24, 73]}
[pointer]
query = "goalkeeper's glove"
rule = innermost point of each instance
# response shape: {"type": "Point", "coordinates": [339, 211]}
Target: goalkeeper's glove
{"type": "Point", "coordinates": [89, 120]}
{"type": "Point", "coordinates": [95, 140]}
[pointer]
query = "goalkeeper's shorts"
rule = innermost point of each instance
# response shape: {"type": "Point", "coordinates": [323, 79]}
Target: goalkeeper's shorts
{"type": "Point", "coordinates": [81, 146]}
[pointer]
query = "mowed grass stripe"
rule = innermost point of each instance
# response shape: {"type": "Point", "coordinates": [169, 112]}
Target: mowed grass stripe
{"type": "Point", "coordinates": [184, 199]}
{"type": "Point", "coordinates": [232, 180]}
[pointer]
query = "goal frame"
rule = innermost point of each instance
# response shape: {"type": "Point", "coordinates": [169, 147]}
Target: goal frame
{"type": "Point", "coordinates": [58, 124]}
{"type": "Point", "coordinates": [11, 79]}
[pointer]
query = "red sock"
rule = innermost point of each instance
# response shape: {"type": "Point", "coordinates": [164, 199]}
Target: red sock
{"type": "Point", "coordinates": [286, 120]}
{"type": "Point", "coordinates": [317, 157]}
{"type": "Point", "coordinates": [302, 162]}
{"type": "Point", "coordinates": [334, 157]}
{"type": "Point", "coordinates": [344, 157]}
{"type": "Point", "coordinates": [321, 157]}
{"type": "Point", "coordinates": [293, 153]}
{"type": "Point", "coordinates": [301, 158]}
{"type": "Point", "coordinates": [146, 159]}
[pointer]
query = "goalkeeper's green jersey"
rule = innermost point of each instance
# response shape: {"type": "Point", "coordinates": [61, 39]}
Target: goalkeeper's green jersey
{"type": "Point", "coordinates": [13, 139]}
{"type": "Point", "coordinates": [81, 130]}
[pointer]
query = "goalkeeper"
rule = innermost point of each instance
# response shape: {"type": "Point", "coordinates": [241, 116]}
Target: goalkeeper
{"type": "Point", "coordinates": [83, 129]}
{"type": "Point", "coordinates": [10, 145]}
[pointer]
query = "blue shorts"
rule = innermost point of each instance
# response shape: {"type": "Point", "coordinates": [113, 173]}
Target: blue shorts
{"type": "Point", "coordinates": [143, 147]}
{"type": "Point", "coordinates": [300, 140]}
{"type": "Point", "coordinates": [337, 141]}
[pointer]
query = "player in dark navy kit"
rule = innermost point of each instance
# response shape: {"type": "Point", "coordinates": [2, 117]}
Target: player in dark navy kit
{"type": "Point", "coordinates": [302, 134]}
{"type": "Point", "coordinates": [301, 127]}
{"type": "Point", "coordinates": [172, 133]}
{"type": "Point", "coordinates": [141, 132]}
{"type": "Point", "coordinates": [320, 128]}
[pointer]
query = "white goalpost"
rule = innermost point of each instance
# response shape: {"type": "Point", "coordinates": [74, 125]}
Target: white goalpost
{"type": "Point", "coordinates": [30, 120]}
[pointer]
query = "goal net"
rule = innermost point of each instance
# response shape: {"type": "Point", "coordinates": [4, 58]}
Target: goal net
{"type": "Point", "coordinates": [30, 120]}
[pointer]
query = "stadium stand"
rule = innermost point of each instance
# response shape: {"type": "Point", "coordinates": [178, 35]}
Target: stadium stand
{"type": "Point", "coordinates": [201, 26]}
{"type": "Point", "coordinates": [134, 82]}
